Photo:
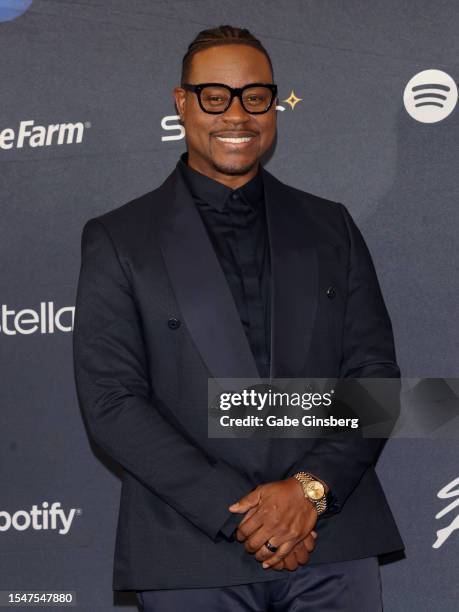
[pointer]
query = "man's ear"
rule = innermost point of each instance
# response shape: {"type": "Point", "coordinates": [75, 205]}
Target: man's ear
{"type": "Point", "coordinates": [180, 101]}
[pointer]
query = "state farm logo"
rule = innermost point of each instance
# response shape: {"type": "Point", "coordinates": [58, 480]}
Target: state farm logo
{"type": "Point", "coordinates": [46, 518]}
{"type": "Point", "coordinates": [46, 320]}
{"type": "Point", "coordinates": [27, 134]}
{"type": "Point", "coordinates": [11, 9]}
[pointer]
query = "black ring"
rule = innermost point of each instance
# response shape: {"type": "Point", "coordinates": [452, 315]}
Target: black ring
{"type": "Point", "coordinates": [271, 547]}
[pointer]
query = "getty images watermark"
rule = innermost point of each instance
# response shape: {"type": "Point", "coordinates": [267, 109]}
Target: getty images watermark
{"type": "Point", "coordinates": [310, 408]}
{"type": "Point", "coordinates": [278, 401]}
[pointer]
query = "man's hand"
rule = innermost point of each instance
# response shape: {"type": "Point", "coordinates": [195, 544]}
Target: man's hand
{"type": "Point", "coordinates": [278, 512]}
{"type": "Point", "coordinates": [299, 554]}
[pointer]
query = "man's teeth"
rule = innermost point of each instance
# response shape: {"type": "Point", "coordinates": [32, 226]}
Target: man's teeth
{"type": "Point", "coordinates": [235, 140]}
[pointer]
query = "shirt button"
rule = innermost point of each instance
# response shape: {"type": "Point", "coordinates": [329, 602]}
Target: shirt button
{"type": "Point", "coordinates": [331, 292]}
{"type": "Point", "coordinates": [235, 196]}
{"type": "Point", "coordinates": [173, 323]}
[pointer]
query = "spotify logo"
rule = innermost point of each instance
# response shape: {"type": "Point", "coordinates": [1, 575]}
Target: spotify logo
{"type": "Point", "coordinates": [430, 96]}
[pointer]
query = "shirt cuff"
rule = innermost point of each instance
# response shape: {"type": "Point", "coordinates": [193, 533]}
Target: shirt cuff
{"type": "Point", "coordinates": [230, 526]}
{"type": "Point", "coordinates": [333, 507]}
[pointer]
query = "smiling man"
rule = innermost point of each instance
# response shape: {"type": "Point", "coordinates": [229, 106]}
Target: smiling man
{"type": "Point", "coordinates": [227, 146]}
{"type": "Point", "coordinates": [224, 271]}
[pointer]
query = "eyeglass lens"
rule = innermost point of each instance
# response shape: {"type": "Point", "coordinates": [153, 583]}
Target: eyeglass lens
{"type": "Point", "coordinates": [255, 99]}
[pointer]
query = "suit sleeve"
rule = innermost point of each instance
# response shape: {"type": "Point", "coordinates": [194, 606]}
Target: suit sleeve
{"type": "Point", "coordinates": [123, 415]}
{"type": "Point", "coordinates": [368, 352]}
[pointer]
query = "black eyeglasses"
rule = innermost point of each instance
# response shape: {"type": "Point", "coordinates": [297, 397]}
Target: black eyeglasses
{"type": "Point", "coordinates": [216, 98]}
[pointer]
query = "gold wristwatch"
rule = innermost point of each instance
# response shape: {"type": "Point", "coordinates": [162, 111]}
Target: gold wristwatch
{"type": "Point", "coordinates": [313, 490]}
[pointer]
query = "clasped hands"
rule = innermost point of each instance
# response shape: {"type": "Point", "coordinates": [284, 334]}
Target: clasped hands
{"type": "Point", "coordinates": [279, 513]}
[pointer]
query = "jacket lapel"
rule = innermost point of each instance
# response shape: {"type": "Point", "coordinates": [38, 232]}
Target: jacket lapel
{"type": "Point", "coordinates": [205, 299]}
{"type": "Point", "coordinates": [294, 278]}
{"type": "Point", "coordinates": [202, 292]}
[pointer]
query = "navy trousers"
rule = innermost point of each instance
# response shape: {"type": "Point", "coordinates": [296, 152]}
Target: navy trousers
{"type": "Point", "coordinates": [345, 586]}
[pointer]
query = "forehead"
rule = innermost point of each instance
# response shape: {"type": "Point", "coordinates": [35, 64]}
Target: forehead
{"type": "Point", "coordinates": [235, 65]}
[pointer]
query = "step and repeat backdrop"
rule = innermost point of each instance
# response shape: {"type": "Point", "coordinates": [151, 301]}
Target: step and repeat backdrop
{"type": "Point", "coordinates": [367, 116]}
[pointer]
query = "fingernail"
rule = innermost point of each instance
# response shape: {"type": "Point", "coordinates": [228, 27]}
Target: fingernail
{"type": "Point", "coordinates": [314, 534]}
{"type": "Point", "coordinates": [265, 565]}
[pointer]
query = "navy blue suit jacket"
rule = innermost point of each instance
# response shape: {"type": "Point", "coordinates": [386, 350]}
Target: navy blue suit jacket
{"type": "Point", "coordinates": [142, 381]}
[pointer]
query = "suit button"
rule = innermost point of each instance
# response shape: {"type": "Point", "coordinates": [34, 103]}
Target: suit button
{"type": "Point", "coordinates": [173, 323]}
{"type": "Point", "coordinates": [331, 292]}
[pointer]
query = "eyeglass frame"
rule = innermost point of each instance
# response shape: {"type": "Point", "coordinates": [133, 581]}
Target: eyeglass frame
{"type": "Point", "coordinates": [234, 92]}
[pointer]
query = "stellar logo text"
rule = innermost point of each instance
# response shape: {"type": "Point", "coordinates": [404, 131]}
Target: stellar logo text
{"type": "Point", "coordinates": [27, 321]}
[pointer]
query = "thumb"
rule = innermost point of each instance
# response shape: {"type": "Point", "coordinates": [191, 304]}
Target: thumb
{"type": "Point", "coordinates": [245, 503]}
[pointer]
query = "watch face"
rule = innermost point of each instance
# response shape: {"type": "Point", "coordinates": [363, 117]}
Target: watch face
{"type": "Point", "coordinates": [315, 490]}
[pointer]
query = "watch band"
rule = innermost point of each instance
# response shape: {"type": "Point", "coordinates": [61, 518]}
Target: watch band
{"type": "Point", "coordinates": [305, 478]}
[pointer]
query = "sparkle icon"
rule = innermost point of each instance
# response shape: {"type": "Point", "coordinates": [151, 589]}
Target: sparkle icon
{"type": "Point", "coordinates": [292, 100]}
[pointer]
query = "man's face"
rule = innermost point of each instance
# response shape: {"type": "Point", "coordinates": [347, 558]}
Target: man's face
{"type": "Point", "coordinates": [231, 164]}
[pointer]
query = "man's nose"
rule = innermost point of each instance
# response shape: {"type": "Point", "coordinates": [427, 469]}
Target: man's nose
{"type": "Point", "coordinates": [236, 111]}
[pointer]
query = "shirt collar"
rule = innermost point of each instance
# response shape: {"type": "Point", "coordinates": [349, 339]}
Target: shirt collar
{"type": "Point", "coordinates": [215, 193]}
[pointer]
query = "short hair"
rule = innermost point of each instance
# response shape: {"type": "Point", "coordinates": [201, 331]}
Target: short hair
{"type": "Point", "coordinates": [223, 35]}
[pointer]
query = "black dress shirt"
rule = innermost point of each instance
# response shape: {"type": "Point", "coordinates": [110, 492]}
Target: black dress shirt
{"type": "Point", "coordinates": [236, 224]}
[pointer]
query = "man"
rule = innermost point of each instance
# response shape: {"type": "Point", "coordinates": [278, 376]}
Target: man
{"type": "Point", "coordinates": [224, 271]}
